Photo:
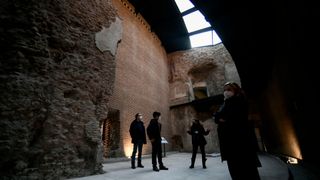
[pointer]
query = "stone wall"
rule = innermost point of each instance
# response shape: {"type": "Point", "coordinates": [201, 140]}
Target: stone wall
{"type": "Point", "coordinates": [212, 65]}
{"type": "Point", "coordinates": [206, 66]}
{"type": "Point", "coordinates": [56, 75]}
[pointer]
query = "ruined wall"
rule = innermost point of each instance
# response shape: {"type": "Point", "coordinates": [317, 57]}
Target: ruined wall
{"type": "Point", "coordinates": [182, 119]}
{"type": "Point", "coordinates": [141, 83]}
{"type": "Point", "coordinates": [57, 72]}
{"type": "Point", "coordinates": [212, 66]}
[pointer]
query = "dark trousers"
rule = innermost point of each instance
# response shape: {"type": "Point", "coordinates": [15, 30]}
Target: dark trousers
{"type": "Point", "coordinates": [239, 170]}
{"type": "Point", "coordinates": [156, 152]}
{"type": "Point", "coordinates": [195, 150]}
{"type": "Point", "coordinates": [137, 146]}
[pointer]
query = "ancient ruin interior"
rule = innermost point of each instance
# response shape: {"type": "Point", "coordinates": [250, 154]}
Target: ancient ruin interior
{"type": "Point", "coordinates": [74, 73]}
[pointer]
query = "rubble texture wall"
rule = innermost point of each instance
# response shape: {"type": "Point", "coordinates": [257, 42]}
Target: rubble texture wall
{"type": "Point", "coordinates": [212, 66]}
{"type": "Point", "coordinates": [54, 85]}
{"type": "Point", "coordinates": [141, 83]}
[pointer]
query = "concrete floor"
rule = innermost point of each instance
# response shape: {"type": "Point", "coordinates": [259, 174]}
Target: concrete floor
{"type": "Point", "coordinates": [178, 163]}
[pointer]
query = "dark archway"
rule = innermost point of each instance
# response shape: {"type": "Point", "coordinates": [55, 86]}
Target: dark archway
{"type": "Point", "coordinates": [111, 134]}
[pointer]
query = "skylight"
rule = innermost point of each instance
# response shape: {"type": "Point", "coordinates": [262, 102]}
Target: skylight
{"type": "Point", "coordinates": [215, 38]}
{"type": "Point", "coordinates": [184, 5]}
{"type": "Point", "coordinates": [195, 22]}
{"type": "Point", "coordinates": [204, 39]}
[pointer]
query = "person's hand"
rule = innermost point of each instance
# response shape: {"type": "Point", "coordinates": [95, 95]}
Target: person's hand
{"type": "Point", "coordinates": [152, 140]}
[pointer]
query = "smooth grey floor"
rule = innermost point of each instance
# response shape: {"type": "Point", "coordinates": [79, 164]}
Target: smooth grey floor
{"type": "Point", "coordinates": [178, 164]}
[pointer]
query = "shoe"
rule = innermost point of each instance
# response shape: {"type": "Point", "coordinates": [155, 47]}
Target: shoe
{"type": "Point", "coordinates": [192, 163]}
{"type": "Point", "coordinates": [204, 163]}
{"type": "Point", "coordinates": [133, 167]}
{"type": "Point", "coordinates": [163, 168]}
{"type": "Point", "coordinates": [140, 166]}
{"type": "Point", "coordinates": [155, 168]}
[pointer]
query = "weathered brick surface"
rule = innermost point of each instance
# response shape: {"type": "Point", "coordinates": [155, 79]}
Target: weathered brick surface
{"type": "Point", "coordinates": [141, 83]}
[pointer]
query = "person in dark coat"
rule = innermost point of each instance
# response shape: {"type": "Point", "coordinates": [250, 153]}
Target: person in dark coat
{"type": "Point", "coordinates": [236, 136]}
{"type": "Point", "coordinates": [138, 138]}
{"type": "Point", "coordinates": [154, 134]}
{"type": "Point", "coordinates": [198, 140]}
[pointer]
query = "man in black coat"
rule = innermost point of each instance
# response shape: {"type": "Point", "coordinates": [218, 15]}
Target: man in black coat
{"type": "Point", "coordinates": [138, 136]}
{"type": "Point", "coordinates": [154, 134]}
{"type": "Point", "coordinates": [198, 140]}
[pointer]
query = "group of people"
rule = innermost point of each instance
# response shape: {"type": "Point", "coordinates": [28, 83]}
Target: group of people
{"type": "Point", "coordinates": [138, 136]}
{"type": "Point", "coordinates": [238, 145]}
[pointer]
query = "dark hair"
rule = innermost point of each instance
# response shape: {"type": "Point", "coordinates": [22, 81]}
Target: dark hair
{"type": "Point", "coordinates": [137, 115]}
{"type": "Point", "coordinates": [156, 114]}
{"type": "Point", "coordinates": [236, 88]}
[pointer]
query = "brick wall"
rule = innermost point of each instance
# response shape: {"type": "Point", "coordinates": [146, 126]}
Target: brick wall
{"type": "Point", "coordinates": [141, 83]}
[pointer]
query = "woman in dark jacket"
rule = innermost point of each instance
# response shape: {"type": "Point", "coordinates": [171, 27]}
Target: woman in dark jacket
{"type": "Point", "coordinates": [236, 137]}
{"type": "Point", "coordinates": [198, 140]}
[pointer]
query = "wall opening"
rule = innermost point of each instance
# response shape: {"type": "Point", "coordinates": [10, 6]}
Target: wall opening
{"type": "Point", "coordinates": [200, 90]}
{"type": "Point", "coordinates": [111, 134]}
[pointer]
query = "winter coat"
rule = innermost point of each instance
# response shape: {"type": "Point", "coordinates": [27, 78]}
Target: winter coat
{"type": "Point", "coordinates": [236, 136]}
{"type": "Point", "coordinates": [154, 130]}
{"type": "Point", "coordinates": [197, 132]}
{"type": "Point", "coordinates": [137, 132]}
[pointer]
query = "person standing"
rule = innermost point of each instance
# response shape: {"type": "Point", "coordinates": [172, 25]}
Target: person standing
{"type": "Point", "coordinates": [198, 140]}
{"type": "Point", "coordinates": [154, 134]}
{"type": "Point", "coordinates": [138, 138]}
{"type": "Point", "coordinates": [236, 137]}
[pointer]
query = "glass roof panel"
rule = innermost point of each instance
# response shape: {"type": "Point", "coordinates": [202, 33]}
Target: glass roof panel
{"type": "Point", "coordinates": [195, 21]}
{"type": "Point", "coordinates": [204, 39]}
{"type": "Point", "coordinates": [184, 5]}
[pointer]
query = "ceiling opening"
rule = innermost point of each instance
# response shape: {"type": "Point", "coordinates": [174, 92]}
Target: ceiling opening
{"type": "Point", "coordinates": [200, 31]}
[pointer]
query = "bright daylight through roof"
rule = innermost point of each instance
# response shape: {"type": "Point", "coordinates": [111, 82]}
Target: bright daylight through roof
{"type": "Point", "coordinates": [194, 22]}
